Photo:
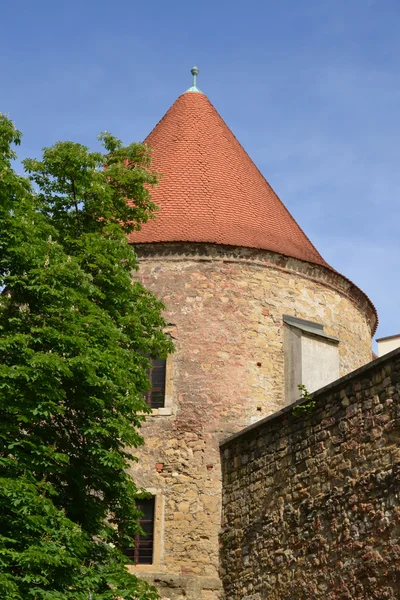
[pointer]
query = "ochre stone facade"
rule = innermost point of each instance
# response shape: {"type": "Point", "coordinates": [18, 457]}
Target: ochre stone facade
{"type": "Point", "coordinates": [224, 307]}
{"type": "Point", "coordinates": [311, 498]}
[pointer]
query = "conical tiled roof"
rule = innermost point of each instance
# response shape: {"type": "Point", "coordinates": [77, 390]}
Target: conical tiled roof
{"type": "Point", "coordinates": [211, 191]}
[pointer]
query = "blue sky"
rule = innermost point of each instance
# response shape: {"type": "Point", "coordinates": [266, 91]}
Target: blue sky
{"type": "Point", "coordinates": [310, 88]}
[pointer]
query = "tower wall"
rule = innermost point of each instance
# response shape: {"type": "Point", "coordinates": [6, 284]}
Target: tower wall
{"type": "Point", "coordinates": [224, 307]}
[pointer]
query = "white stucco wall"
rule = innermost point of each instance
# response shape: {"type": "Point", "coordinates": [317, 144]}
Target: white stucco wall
{"type": "Point", "coordinates": [319, 362]}
{"type": "Point", "coordinates": [310, 360]}
{"type": "Point", "coordinates": [386, 345]}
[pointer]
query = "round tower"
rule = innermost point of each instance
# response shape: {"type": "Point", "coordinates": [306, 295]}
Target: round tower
{"type": "Point", "coordinates": [254, 311]}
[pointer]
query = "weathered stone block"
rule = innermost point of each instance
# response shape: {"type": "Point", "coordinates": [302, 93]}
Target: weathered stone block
{"type": "Point", "coordinates": [327, 526]}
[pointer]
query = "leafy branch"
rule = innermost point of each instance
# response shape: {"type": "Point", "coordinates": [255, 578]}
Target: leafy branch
{"type": "Point", "coordinates": [305, 407]}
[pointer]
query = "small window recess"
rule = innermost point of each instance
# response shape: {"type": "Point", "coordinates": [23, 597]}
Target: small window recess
{"type": "Point", "coordinates": [159, 396]}
{"type": "Point", "coordinates": [141, 553]}
{"type": "Point", "coordinates": [157, 555]}
{"type": "Point", "coordinates": [155, 397]}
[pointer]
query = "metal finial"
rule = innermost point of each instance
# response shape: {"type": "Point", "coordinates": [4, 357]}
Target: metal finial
{"type": "Point", "coordinates": [194, 71]}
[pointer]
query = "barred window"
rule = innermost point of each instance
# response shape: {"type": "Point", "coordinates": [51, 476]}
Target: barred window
{"type": "Point", "coordinates": [155, 397]}
{"type": "Point", "coordinates": [142, 551]}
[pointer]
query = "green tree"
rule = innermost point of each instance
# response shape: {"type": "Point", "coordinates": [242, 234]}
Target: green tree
{"type": "Point", "coordinates": [75, 334]}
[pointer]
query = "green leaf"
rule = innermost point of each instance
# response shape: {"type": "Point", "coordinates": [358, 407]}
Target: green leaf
{"type": "Point", "coordinates": [74, 333]}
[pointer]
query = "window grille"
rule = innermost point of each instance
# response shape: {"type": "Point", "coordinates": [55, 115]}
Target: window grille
{"type": "Point", "coordinates": [142, 551]}
{"type": "Point", "coordinates": [155, 397]}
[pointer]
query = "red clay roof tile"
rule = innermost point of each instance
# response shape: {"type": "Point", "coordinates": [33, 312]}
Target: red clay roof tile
{"type": "Point", "coordinates": [211, 191]}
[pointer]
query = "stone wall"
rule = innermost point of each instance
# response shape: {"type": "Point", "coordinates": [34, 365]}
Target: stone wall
{"type": "Point", "coordinates": [311, 506]}
{"type": "Point", "coordinates": [224, 308]}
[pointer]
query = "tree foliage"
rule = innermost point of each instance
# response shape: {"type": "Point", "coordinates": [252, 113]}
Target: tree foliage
{"type": "Point", "coordinates": [75, 336]}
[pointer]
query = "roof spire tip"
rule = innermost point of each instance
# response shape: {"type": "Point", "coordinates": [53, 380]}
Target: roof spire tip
{"type": "Point", "coordinates": [194, 71]}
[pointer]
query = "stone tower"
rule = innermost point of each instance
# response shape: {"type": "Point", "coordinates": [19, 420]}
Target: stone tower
{"type": "Point", "coordinates": [254, 310]}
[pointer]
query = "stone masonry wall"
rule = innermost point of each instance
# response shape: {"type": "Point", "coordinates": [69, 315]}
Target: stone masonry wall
{"type": "Point", "coordinates": [311, 506]}
{"type": "Point", "coordinates": [224, 311]}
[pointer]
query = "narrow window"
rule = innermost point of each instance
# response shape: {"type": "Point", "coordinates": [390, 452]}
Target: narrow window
{"type": "Point", "coordinates": [156, 395]}
{"type": "Point", "coordinates": [142, 551]}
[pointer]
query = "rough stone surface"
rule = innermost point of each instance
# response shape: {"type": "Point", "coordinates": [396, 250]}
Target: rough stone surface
{"type": "Point", "coordinates": [311, 506]}
{"type": "Point", "coordinates": [224, 308]}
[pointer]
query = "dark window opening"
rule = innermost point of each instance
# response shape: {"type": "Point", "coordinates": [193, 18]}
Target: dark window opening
{"type": "Point", "coordinates": [156, 395]}
{"type": "Point", "coordinates": [142, 551]}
